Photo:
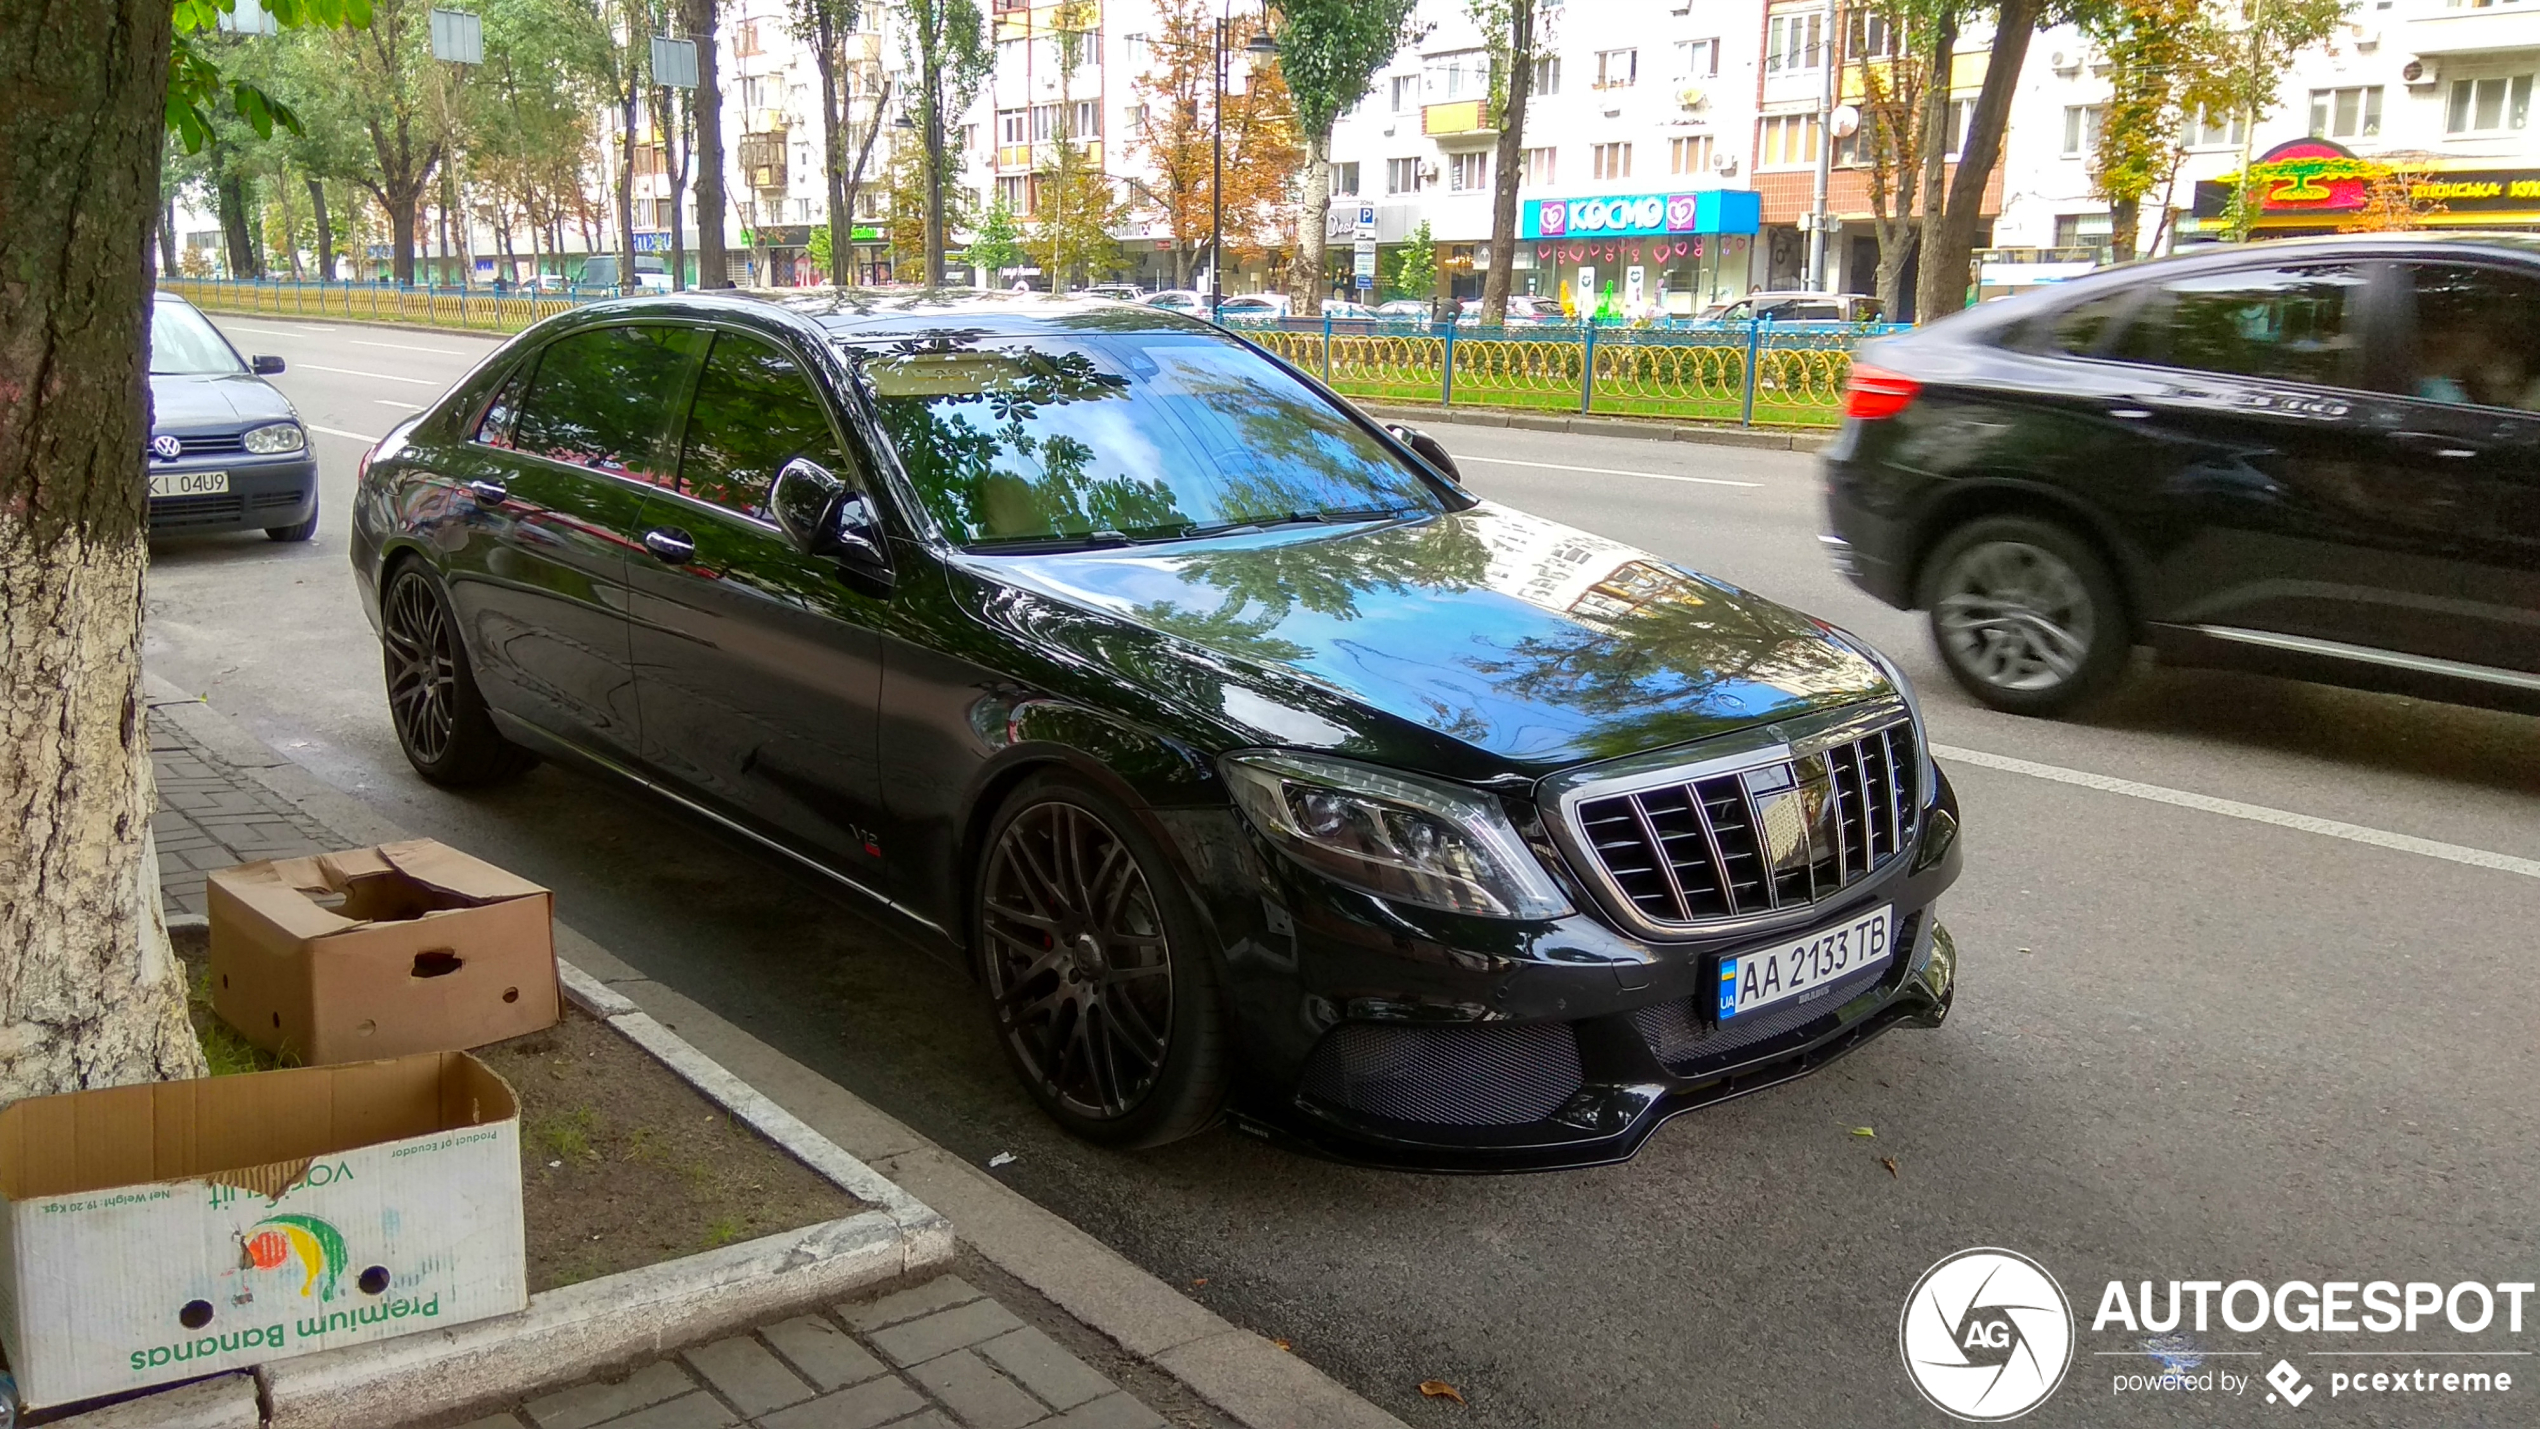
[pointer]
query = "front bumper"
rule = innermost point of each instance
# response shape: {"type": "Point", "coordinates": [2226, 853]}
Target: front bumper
{"type": "Point", "coordinates": [264, 492]}
{"type": "Point", "coordinates": [1459, 1045]}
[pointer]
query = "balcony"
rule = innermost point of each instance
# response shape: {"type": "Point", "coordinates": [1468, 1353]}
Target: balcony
{"type": "Point", "coordinates": [762, 159]}
{"type": "Point", "coordinates": [1461, 117]}
{"type": "Point", "coordinates": [2437, 28]}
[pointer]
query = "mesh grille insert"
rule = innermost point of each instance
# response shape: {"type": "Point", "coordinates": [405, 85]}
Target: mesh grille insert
{"type": "Point", "coordinates": [1461, 1074]}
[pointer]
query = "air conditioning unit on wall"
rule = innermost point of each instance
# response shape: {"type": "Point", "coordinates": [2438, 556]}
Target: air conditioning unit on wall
{"type": "Point", "coordinates": [1725, 165]}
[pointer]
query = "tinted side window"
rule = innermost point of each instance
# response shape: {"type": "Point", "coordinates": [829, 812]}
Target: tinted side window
{"type": "Point", "coordinates": [2082, 328]}
{"type": "Point", "coordinates": [755, 411]}
{"type": "Point", "coordinates": [496, 427]}
{"type": "Point", "coordinates": [2292, 324]}
{"type": "Point", "coordinates": [2477, 336]}
{"type": "Point", "coordinates": [600, 397]}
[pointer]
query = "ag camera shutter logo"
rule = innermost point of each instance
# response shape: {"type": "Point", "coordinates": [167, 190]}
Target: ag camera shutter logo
{"type": "Point", "coordinates": [1986, 1335]}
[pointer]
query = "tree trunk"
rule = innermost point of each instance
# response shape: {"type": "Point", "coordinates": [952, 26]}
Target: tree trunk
{"type": "Point", "coordinates": [1945, 254]}
{"type": "Point", "coordinates": [1313, 227]}
{"type": "Point", "coordinates": [229, 192]}
{"type": "Point", "coordinates": [841, 239]}
{"type": "Point", "coordinates": [1937, 125]}
{"type": "Point", "coordinates": [169, 267]}
{"type": "Point", "coordinates": [934, 81]}
{"type": "Point", "coordinates": [714, 269]}
{"type": "Point", "coordinates": [1512, 148]}
{"type": "Point", "coordinates": [626, 280]}
{"type": "Point", "coordinates": [325, 230]}
{"type": "Point", "coordinates": [89, 993]}
{"type": "Point", "coordinates": [675, 167]}
{"type": "Point", "coordinates": [2125, 226]}
{"type": "Point", "coordinates": [833, 149]}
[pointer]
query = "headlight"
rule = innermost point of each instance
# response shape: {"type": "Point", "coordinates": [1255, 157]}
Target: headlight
{"type": "Point", "coordinates": [1394, 835]}
{"type": "Point", "coordinates": [275, 439]}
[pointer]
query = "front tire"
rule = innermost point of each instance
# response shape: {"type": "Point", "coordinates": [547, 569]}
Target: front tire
{"type": "Point", "coordinates": [441, 719]}
{"type": "Point", "coordinates": [1098, 981]}
{"type": "Point", "coordinates": [2026, 614]}
{"type": "Point", "coordinates": [298, 530]}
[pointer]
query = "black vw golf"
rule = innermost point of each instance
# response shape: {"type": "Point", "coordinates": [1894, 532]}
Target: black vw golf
{"type": "Point", "coordinates": [1259, 768]}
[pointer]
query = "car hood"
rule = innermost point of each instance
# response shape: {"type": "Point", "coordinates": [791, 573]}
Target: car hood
{"type": "Point", "coordinates": [1474, 644]}
{"type": "Point", "coordinates": [222, 403]}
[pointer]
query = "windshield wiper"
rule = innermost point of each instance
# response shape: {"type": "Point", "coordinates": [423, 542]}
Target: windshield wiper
{"type": "Point", "coordinates": [1045, 544]}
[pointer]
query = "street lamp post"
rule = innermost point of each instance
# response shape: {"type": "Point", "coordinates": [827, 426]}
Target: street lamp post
{"type": "Point", "coordinates": [1260, 44]}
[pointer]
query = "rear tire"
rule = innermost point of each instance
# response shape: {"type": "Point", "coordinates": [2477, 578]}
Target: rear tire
{"type": "Point", "coordinates": [1099, 982]}
{"type": "Point", "coordinates": [442, 722]}
{"type": "Point", "coordinates": [2027, 615]}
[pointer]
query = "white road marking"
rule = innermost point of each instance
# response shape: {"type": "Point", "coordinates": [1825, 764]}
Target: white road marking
{"type": "Point", "coordinates": [408, 347]}
{"type": "Point", "coordinates": [379, 376]}
{"type": "Point", "coordinates": [363, 437]}
{"type": "Point", "coordinates": [393, 402]}
{"type": "Point", "coordinates": [1610, 471]}
{"type": "Point", "coordinates": [2254, 813]}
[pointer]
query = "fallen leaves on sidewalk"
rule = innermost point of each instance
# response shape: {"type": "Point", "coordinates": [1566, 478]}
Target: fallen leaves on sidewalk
{"type": "Point", "coordinates": [1440, 1389]}
{"type": "Point", "coordinates": [1002, 1158]}
{"type": "Point", "coordinates": [1864, 1131]}
{"type": "Point", "coordinates": [1282, 1344]}
{"type": "Point", "coordinates": [1890, 1163]}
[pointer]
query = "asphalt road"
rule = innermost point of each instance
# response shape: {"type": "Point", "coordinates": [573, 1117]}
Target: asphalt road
{"type": "Point", "coordinates": [2188, 1045]}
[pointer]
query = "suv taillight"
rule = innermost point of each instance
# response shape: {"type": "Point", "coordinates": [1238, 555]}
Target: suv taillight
{"type": "Point", "coordinates": [1876, 392]}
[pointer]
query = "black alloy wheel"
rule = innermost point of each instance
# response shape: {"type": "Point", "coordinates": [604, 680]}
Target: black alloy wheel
{"type": "Point", "coordinates": [2026, 614]}
{"type": "Point", "coordinates": [1105, 1007]}
{"type": "Point", "coordinates": [442, 724]}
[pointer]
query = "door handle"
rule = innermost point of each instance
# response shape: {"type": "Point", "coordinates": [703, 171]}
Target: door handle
{"type": "Point", "coordinates": [2435, 444]}
{"type": "Point", "coordinates": [492, 493]}
{"type": "Point", "coordinates": [670, 544]}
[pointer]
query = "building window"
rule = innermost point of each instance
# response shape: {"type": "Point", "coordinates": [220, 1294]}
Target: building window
{"type": "Point", "coordinates": [1345, 180]}
{"type": "Point", "coordinates": [745, 39]}
{"type": "Point", "coordinates": [1613, 161]}
{"type": "Point", "coordinates": [1790, 141]}
{"type": "Point", "coordinates": [1617, 69]}
{"type": "Point", "coordinates": [2352, 113]}
{"type": "Point", "coordinates": [2082, 230]}
{"type": "Point", "coordinates": [1872, 37]}
{"type": "Point", "coordinates": [1793, 43]}
{"type": "Point", "coordinates": [1548, 75]}
{"type": "Point", "coordinates": [1467, 172]}
{"type": "Point", "coordinates": [1016, 192]}
{"type": "Point", "coordinates": [1962, 115]}
{"type": "Point", "coordinates": [2208, 130]}
{"type": "Point", "coordinates": [969, 138]}
{"type": "Point", "coordinates": [1010, 124]}
{"type": "Point", "coordinates": [1689, 155]}
{"type": "Point", "coordinates": [2081, 129]}
{"type": "Point", "coordinates": [1697, 59]}
{"type": "Point", "coordinates": [2489, 106]}
{"type": "Point", "coordinates": [1538, 172]}
{"type": "Point", "coordinates": [1465, 75]}
{"type": "Point", "coordinates": [1406, 92]}
{"type": "Point", "coordinates": [1402, 176]}
{"type": "Point", "coordinates": [1087, 121]}
{"type": "Point", "coordinates": [1133, 51]}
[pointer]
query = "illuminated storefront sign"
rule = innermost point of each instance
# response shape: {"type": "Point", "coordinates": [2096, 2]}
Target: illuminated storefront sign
{"type": "Point", "coordinates": [1643, 215]}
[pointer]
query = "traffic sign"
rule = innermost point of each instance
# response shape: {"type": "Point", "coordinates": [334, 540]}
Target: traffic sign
{"type": "Point", "coordinates": [1366, 228]}
{"type": "Point", "coordinates": [458, 37]}
{"type": "Point", "coordinates": [674, 63]}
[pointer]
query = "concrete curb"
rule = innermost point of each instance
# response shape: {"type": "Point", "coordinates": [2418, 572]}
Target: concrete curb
{"type": "Point", "coordinates": [1241, 1374]}
{"type": "Point", "coordinates": [226, 1401]}
{"type": "Point", "coordinates": [1636, 428]}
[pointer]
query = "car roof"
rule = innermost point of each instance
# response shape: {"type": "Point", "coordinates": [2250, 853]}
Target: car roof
{"type": "Point", "coordinates": [952, 312]}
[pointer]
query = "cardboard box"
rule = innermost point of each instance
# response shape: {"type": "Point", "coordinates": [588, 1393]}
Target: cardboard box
{"type": "Point", "coordinates": [158, 1232]}
{"type": "Point", "coordinates": [424, 950]}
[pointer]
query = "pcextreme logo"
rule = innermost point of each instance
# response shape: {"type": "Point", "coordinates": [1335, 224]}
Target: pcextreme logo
{"type": "Point", "coordinates": [1986, 1335]}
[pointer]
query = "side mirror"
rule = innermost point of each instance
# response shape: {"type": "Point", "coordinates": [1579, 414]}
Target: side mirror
{"type": "Point", "coordinates": [1431, 450]}
{"type": "Point", "coordinates": [825, 517]}
{"type": "Point", "coordinates": [265, 364]}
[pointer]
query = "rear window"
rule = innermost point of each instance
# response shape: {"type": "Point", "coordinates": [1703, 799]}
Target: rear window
{"type": "Point", "coordinates": [1140, 434]}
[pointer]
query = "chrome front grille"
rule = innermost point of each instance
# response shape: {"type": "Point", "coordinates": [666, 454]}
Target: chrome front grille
{"type": "Point", "coordinates": [1792, 820]}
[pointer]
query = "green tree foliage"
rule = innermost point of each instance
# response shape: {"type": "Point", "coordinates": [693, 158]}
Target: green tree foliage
{"type": "Point", "coordinates": [994, 240]}
{"type": "Point", "coordinates": [1078, 207]}
{"type": "Point", "coordinates": [946, 45]}
{"type": "Point", "coordinates": [1329, 53]}
{"type": "Point", "coordinates": [2148, 45]}
{"type": "Point", "coordinates": [1415, 266]}
{"type": "Point", "coordinates": [2239, 52]}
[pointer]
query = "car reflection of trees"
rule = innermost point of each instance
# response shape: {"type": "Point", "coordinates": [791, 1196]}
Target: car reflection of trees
{"type": "Point", "coordinates": [1643, 666]}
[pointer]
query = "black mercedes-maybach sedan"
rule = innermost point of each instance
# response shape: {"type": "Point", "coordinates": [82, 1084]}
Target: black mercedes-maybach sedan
{"type": "Point", "coordinates": [1260, 769]}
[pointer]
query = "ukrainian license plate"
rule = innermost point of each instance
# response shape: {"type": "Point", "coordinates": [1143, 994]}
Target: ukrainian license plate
{"type": "Point", "coordinates": [189, 483]}
{"type": "Point", "coordinates": [1806, 967]}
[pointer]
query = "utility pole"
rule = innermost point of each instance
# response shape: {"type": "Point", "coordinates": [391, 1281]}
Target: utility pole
{"type": "Point", "coordinates": [1825, 150]}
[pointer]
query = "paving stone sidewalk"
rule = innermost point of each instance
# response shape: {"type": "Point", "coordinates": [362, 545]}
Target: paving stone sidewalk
{"type": "Point", "coordinates": [941, 1355]}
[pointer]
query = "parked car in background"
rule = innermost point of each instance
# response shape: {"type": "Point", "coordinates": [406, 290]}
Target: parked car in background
{"type": "Point", "coordinates": [1177, 300]}
{"type": "Point", "coordinates": [1403, 308]}
{"type": "Point", "coordinates": [1117, 292]}
{"type": "Point", "coordinates": [1250, 305]}
{"type": "Point", "coordinates": [1798, 307]}
{"type": "Point", "coordinates": [1502, 846]}
{"type": "Point", "coordinates": [2317, 458]}
{"type": "Point", "coordinates": [227, 452]}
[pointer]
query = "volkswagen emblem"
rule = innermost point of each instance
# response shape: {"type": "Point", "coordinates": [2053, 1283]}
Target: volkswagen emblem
{"type": "Point", "coordinates": [166, 448]}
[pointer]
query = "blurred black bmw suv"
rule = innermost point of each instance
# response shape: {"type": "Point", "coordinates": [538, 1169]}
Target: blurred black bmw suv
{"type": "Point", "coordinates": [2318, 458]}
{"type": "Point", "coordinates": [1256, 765]}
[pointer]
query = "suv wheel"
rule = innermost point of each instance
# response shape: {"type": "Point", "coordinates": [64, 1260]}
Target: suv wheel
{"type": "Point", "coordinates": [1098, 983]}
{"type": "Point", "coordinates": [2026, 614]}
{"type": "Point", "coordinates": [441, 720]}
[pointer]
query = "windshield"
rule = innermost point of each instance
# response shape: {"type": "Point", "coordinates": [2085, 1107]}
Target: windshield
{"type": "Point", "coordinates": [184, 343]}
{"type": "Point", "coordinates": [1136, 435]}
